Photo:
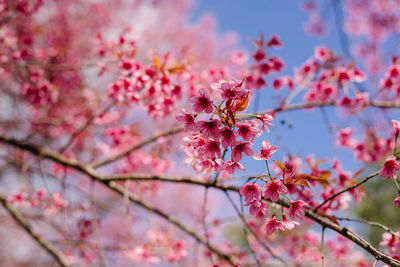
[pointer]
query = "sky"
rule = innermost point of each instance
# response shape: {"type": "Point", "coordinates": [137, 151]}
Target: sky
{"type": "Point", "coordinates": [308, 132]}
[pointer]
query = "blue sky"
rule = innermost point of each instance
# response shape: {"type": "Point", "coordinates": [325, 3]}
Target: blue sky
{"type": "Point", "coordinates": [309, 133]}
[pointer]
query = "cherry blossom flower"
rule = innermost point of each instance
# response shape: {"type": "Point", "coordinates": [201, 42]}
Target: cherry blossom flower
{"type": "Point", "coordinates": [211, 149]}
{"type": "Point", "coordinates": [272, 225]}
{"type": "Point", "coordinates": [247, 131]}
{"type": "Point", "coordinates": [296, 210]}
{"type": "Point", "coordinates": [228, 137]}
{"type": "Point", "coordinates": [274, 41]}
{"type": "Point", "coordinates": [251, 192]}
{"type": "Point", "coordinates": [242, 147]}
{"type": "Point", "coordinates": [188, 120]}
{"type": "Point", "coordinates": [202, 102]}
{"type": "Point", "coordinates": [396, 125]}
{"type": "Point", "coordinates": [322, 53]}
{"type": "Point", "coordinates": [209, 128]}
{"type": "Point", "coordinates": [230, 90]}
{"type": "Point", "coordinates": [273, 189]}
{"type": "Point", "coordinates": [266, 151]}
{"type": "Point", "coordinates": [390, 168]}
{"type": "Point", "coordinates": [396, 201]}
{"type": "Point", "coordinates": [232, 166]}
{"type": "Point", "coordinates": [266, 120]}
{"type": "Point", "coordinates": [258, 208]}
{"type": "Point", "coordinates": [289, 224]}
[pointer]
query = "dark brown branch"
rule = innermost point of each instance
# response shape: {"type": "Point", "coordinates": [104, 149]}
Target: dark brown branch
{"type": "Point", "coordinates": [56, 157]}
{"type": "Point", "coordinates": [376, 224]}
{"type": "Point", "coordinates": [146, 205]}
{"type": "Point", "coordinates": [377, 104]}
{"type": "Point", "coordinates": [346, 190]}
{"type": "Point", "coordinates": [52, 250]}
{"type": "Point", "coordinates": [87, 170]}
{"type": "Point", "coordinates": [346, 232]}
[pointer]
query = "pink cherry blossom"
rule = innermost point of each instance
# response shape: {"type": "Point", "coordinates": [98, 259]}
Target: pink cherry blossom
{"type": "Point", "coordinates": [266, 120]}
{"type": "Point", "coordinates": [228, 137]}
{"type": "Point", "coordinates": [274, 41]}
{"type": "Point", "coordinates": [188, 120]}
{"type": "Point", "coordinates": [258, 208]}
{"type": "Point", "coordinates": [396, 125]}
{"type": "Point", "coordinates": [390, 168]}
{"type": "Point", "coordinates": [273, 189]}
{"type": "Point", "coordinates": [296, 210]}
{"type": "Point", "coordinates": [232, 166]}
{"type": "Point", "coordinates": [209, 128]}
{"type": "Point", "coordinates": [242, 147]}
{"type": "Point", "coordinates": [396, 201]}
{"type": "Point", "coordinates": [230, 90]}
{"type": "Point", "coordinates": [212, 149]}
{"type": "Point", "coordinates": [289, 224]}
{"type": "Point", "coordinates": [251, 192]}
{"type": "Point", "coordinates": [202, 102]}
{"type": "Point", "coordinates": [247, 131]}
{"type": "Point", "coordinates": [272, 225]}
{"type": "Point", "coordinates": [266, 151]}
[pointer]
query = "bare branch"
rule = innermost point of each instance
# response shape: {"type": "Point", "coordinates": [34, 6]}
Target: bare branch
{"type": "Point", "coordinates": [379, 225]}
{"type": "Point", "coordinates": [86, 169]}
{"type": "Point", "coordinates": [346, 190]}
{"type": "Point", "coordinates": [52, 250]}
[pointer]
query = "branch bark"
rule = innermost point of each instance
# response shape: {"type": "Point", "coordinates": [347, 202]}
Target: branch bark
{"type": "Point", "coordinates": [24, 224]}
{"type": "Point", "coordinates": [89, 171]}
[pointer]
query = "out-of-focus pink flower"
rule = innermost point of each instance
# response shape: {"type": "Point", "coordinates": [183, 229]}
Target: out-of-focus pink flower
{"type": "Point", "coordinates": [390, 168]}
{"type": "Point", "coordinates": [396, 125]}
{"type": "Point", "coordinates": [396, 201]}
{"type": "Point", "coordinates": [274, 41]}
{"type": "Point", "coordinates": [289, 224]}
{"type": "Point", "coordinates": [323, 53]}
{"type": "Point", "coordinates": [266, 120]}
{"type": "Point", "coordinates": [296, 210]}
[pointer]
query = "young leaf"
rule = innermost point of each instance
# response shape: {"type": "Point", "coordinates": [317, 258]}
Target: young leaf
{"type": "Point", "coordinates": [281, 166]}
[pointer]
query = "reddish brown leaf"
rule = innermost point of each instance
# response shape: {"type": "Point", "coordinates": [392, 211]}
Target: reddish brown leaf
{"type": "Point", "coordinates": [281, 166]}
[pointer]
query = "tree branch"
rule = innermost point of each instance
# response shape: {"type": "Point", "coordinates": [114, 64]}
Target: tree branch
{"type": "Point", "coordinates": [346, 189]}
{"type": "Point", "coordinates": [52, 250]}
{"type": "Point", "coordinates": [88, 170]}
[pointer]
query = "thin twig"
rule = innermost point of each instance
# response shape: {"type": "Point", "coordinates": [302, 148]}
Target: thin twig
{"type": "Point", "coordinates": [256, 236]}
{"type": "Point", "coordinates": [84, 127]}
{"type": "Point", "coordinates": [89, 171]}
{"type": "Point", "coordinates": [58, 256]}
{"type": "Point", "coordinates": [376, 224]}
{"type": "Point", "coordinates": [346, 190]}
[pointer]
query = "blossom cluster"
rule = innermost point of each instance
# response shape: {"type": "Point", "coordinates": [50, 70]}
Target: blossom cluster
{"type": "Point", "coordinates": [214, 128]}
{"type": "Point", "coordinates": [50, 204]}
